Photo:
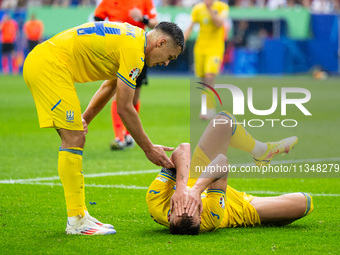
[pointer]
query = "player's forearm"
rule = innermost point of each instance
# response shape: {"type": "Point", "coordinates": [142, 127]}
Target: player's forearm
{"type": "Point", "coordinates": [187, 32]}
{"type": "Point", "coordinates": [216, 170]}
{"type": "Point", "coordinates": [132, 122]}
{"type": "Point", "coordinates": [99, 100]}
{"type": "Point", "coordinates": [181, 160]}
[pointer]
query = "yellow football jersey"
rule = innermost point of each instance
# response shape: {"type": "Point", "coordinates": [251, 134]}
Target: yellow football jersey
{"type": "Point", "coordinates": [220, 209]}
{"type": "Point", "coordinates": [158, 200]}
{"type": "Point", "coordinates": [101, 51]}
{"type": "Point", "coordinates": [210, 39]}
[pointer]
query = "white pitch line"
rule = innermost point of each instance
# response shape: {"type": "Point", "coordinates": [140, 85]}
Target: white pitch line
{"type": "Point", "coordinates": [85, 175]}
{"type": "Point", "coordinates": [134, 187]}
{"type": "Point", "coordinates": [314, 160]}
{"type": "Point", "coordinates": [118, 186]}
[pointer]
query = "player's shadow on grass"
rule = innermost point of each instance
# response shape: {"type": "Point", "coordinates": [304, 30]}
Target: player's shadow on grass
{"type": "Point", "coordinates": [162, 231]}
{"type": "Point", "coordinates": [271, 226]}
{"type": "Point", "coordinates": [165, 231]}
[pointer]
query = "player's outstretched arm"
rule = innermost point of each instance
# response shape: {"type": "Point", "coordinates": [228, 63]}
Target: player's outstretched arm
{"type": "Point", "coordinates": [99, 100]}
{"type": "Point", "coordinates": [187, 32]}
{"type": "Point", "coordinates": [131, 120]}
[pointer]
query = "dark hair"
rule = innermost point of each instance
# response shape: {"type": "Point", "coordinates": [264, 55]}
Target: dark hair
{"type": "Point", "coordinates": [173, 31]}
{"type": "Point", "coordinates": [185, 226]}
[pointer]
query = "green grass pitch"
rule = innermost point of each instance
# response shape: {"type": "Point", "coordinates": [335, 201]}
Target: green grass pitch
{"type": "Point", "coordinates": [33, 213]}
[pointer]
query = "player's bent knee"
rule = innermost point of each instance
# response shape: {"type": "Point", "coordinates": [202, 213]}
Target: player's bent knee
{"type": "Point", "coordinates": [222, 122]}
{"type": "Point", "coordinates": [71, 138]}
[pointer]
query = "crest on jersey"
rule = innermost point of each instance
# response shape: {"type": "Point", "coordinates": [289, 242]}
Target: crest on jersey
{"type": "Point", "coordinates": [222, 203]}
{"type": "Point", "coordinates": [135, 72]}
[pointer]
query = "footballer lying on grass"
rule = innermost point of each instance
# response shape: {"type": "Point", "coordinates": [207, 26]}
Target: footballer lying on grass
{"type": "Point", "coordinates": [208, 203]}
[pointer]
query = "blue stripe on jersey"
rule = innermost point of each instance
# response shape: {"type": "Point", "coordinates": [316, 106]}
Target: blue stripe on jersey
{"type": "Point", "coordinates": [216, 191]}
{"type": "Point", "coordinates": [167, 176]}
{"type": "Point", "coordinates": [99, 28]}
{"type": "Point", "coordinates": [74, 151]}
{"type": "Point", "coordinates": [112, 31]}
{"type": "Point", "coordinates": [126, 81]}
{"type": "Point", "coordinates": [56, 105]}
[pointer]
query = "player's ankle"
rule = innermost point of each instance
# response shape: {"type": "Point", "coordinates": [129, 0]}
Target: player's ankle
{"type": "Point", "coordinates": [74, 220]}
{"type": "Point", "coordinates": [259, 150]}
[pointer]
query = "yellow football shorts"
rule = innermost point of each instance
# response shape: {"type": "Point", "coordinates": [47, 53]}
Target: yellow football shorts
{"type": "Point", "coordinates": [238, 210]}
{"type": "Point", "coordinates": [205, 64]}
{"type": "Point", "coordinates": [52, 87]}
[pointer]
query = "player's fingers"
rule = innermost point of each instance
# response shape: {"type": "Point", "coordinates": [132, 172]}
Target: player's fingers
{"type": "Point", "coordinates": [185, 202]}
{"type": "Point", "coordinates": [188, 207]}
{"type": "Point", "coordinates": [167, 163]}
{"type": "Point", "coordinates": [176, 208]}
{"type": "Point", "coordinates": [168, 148]}
{"type": "Point", "coordinates": [179, 211]}
{"type": "Point", "coordinates": [192, 210]}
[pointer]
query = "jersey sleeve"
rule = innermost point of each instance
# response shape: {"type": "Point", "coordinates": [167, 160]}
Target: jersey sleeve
{"type": "Point", "coordinates": [194, 14]}
{"type": "Point", "coordinates": [159, 194]}
{"type": "Point", "coordinates": [131, 63]}
{"type": "Point", "coordinates": [224, 10]}
{"type": "Point", "coordinates": [213, 210]}
{"type": "Point", "coordinates": [150, 9]}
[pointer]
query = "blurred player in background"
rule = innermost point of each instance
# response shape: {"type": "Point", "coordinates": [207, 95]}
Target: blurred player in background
{"type": "Point", "coordinates": [208, 203]}
{"type": "Point", "coordinates": [33, 30]}
{"type": "Point", "coordinates": [209, 47]}
{"type": "Point", "coordinates": [9, 32]}
{"type": "Point", "coordinates": [140, 13]}
{"type": "Point", "coordinates": [115, 52]}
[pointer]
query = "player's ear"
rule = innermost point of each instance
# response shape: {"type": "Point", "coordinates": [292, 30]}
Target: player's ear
{"type": "Point", "coordinates": [161, 42]}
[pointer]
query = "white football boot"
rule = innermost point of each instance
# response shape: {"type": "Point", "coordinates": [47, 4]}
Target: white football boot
{"type": "Point", "coordinates": [83, 226]}
{"type": "Point", "coordinates": [100, 224]}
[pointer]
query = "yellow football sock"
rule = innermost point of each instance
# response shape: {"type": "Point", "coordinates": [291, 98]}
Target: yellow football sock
{"type": "Point", "coordinates": [240, 138]}
{"type": "Point", "coordinates": [210, 100]}
{"type": "Point", "coordinates": [309, 204]}
{"type": "Point", "coordinates": [70, 169]}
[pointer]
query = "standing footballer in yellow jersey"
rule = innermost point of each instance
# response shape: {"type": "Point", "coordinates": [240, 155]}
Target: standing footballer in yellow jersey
{"type": "Point", "coordinates": [116, 53]}
{"type": "Point", "coordinates": [190, 205]}
{"type": "Point", "coordinates": [209, 46]}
